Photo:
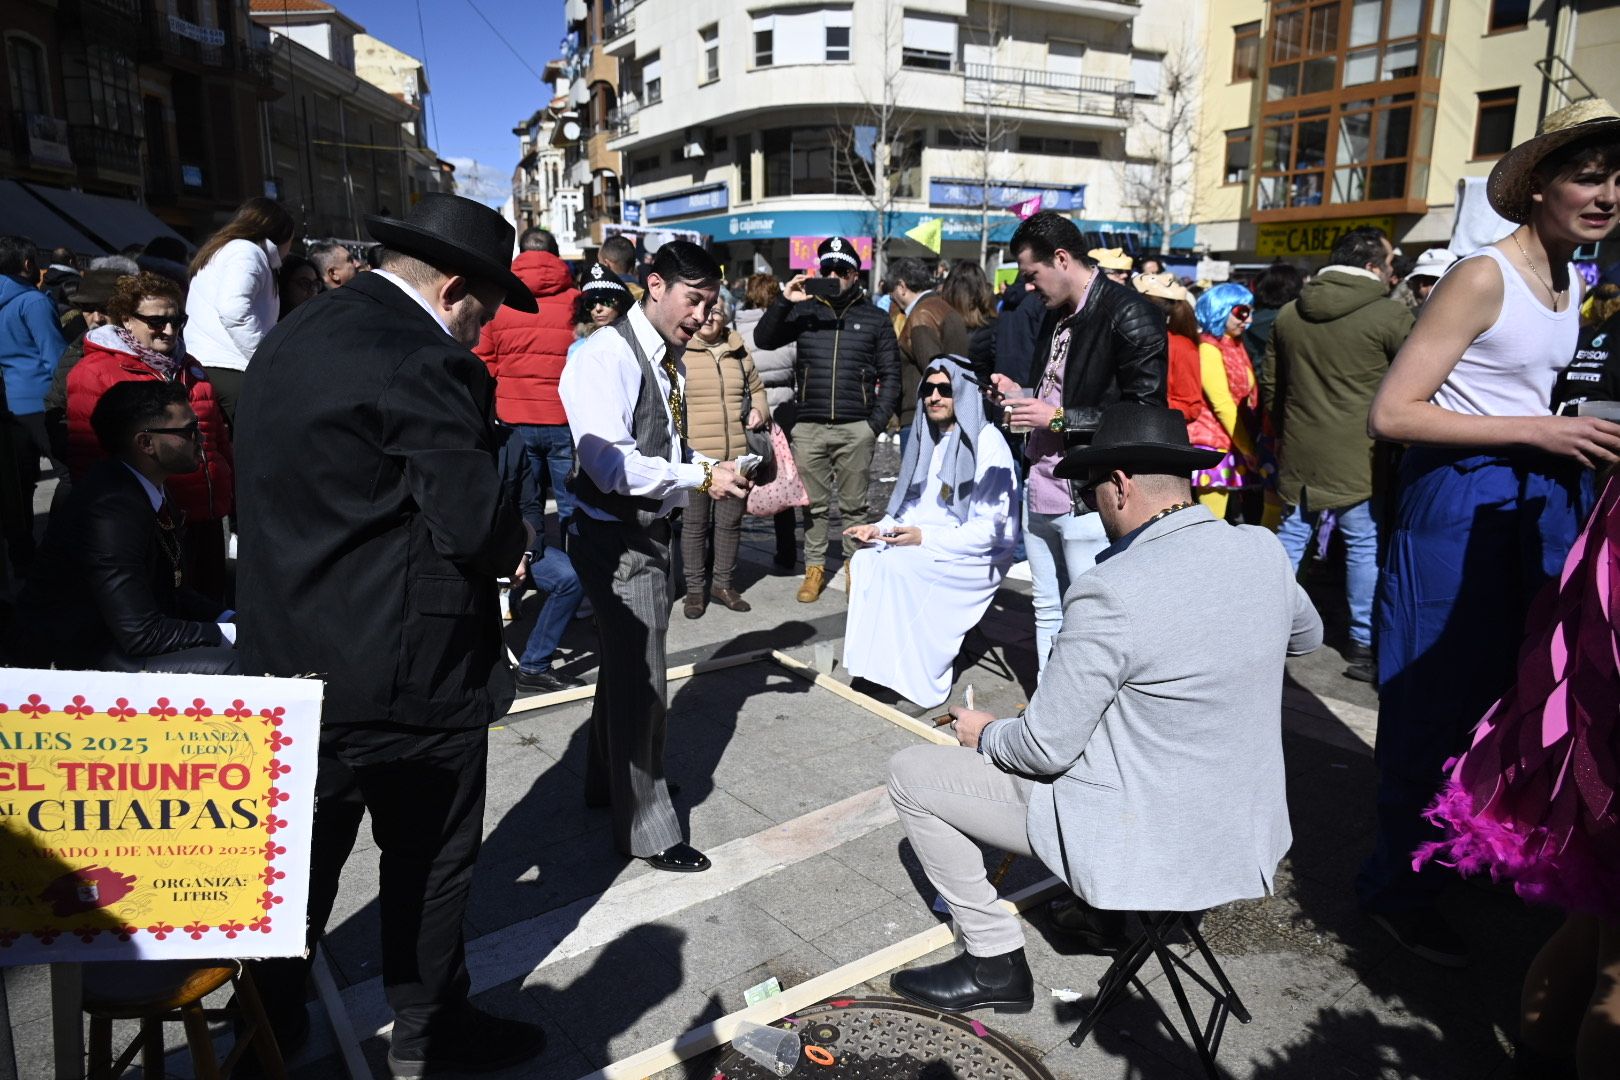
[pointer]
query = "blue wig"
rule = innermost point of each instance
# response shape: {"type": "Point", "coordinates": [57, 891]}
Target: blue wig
{"type": "Point", "coordinates": [1216, 304]}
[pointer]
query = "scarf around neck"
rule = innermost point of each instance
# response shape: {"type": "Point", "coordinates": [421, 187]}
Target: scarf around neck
{"type": "Point", "coordinates": [961, 444]}
{"type": "Point", "coordinates": [164, 364]}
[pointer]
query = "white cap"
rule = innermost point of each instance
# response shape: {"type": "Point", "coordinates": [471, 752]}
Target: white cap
{"type": "Point", "coordinates": [1432, 263]}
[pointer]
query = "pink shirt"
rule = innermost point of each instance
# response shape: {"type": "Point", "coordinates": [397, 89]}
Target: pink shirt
{"type": "Point", "coordinates": [1043, 448]}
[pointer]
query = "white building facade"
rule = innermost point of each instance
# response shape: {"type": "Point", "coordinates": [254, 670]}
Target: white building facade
{"type": "Point", "coordinates": [765, 126]}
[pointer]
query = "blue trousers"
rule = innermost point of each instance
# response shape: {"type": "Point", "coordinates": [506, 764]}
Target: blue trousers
{"type": "Point", "coordinates": [550, 448]}
{"type": "Point", "coordinates": [1476, 537]}
{"type": "Point", "coordinates": [552, 574]}
{"type": "Point", "coordinates": [1361, 557]}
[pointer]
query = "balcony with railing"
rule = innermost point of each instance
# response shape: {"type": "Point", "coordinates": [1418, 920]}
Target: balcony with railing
{"type": "Point", "coordinates": [112, 154]}
{"type": "Point", "coordinates": [618, 24]}
{"type": "Point", "coordinates": [622, 122]}
{"type": "Point", "coordinates": [999, 86]}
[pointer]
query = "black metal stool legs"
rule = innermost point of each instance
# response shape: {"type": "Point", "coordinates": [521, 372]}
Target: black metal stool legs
{"type": "Point", "coordinates": [1156, 929]}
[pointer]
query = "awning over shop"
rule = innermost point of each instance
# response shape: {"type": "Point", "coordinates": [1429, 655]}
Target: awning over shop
{"type": "Point", "coordinates": [116, 223]}
{"type": "Point", "coordinates": [21, 214]}
{"type": "Point", "coordinates": [781, 224]}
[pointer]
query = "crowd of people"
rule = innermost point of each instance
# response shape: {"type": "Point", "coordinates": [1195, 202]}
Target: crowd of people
{"type": "Point", "coordinates": [379, 441]}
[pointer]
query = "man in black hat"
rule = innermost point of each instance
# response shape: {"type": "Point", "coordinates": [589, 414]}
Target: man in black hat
{"type": "Point", "coordinates": [1167, 727]}
{"type": "Point", "coordinates": [373, 532]}
{"type": "Point", "coordinates": [849, 386]}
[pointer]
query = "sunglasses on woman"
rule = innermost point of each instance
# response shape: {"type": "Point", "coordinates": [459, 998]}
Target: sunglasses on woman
{"type": "Point", "coordinates": [158, 322]}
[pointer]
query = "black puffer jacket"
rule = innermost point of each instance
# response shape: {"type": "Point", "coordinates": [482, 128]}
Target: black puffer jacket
{"type": "Point", "coordinates": [849, 362]}
{"type": "Point", "coordinates": [1119, 350]}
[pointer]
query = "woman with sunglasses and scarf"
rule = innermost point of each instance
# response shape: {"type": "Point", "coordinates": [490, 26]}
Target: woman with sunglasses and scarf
{"type": "Point", "coordinates": [1231, 395]}
{"type": "Point", "coordinates": [142, 342]}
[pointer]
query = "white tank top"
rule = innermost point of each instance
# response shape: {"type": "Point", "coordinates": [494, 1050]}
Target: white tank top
{"type": "Point", "coordinates": [1510, 369]}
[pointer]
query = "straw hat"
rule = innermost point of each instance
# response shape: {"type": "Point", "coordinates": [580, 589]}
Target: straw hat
{"type": "Point", "coordinates": [1164, 285]}
{"type": "Point", "coordinates": [1509, 185]}
{"type": "Point", "coordinates": [1111, 258]}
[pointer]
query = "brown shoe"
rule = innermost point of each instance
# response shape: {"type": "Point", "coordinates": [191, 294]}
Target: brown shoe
{"type": "Point", "coordinates": [815, 579]}
{"type": "Point", "coordinates": [731, 598]}
{"type": "Point", "coordinates": [695, 605]}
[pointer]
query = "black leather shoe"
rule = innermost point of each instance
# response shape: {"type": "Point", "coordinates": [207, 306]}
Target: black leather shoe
{"type": "Point", "coordinates": [970, 982]}
{"type": "Point", "coordinates": [680, 859]}
{"type": "Point", "coordinates": [478, 1043]}
{"type": "Point", "coordinates": [546, 682]}
{"type": "Point", "coordinates": [1357, 654]}
{"type": "Point", "coordinates": [1094, 931]}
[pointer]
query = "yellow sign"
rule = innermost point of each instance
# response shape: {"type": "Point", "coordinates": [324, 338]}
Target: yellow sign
{"type": "Point", "coordinates": [154, 816]}
{"type": "Point", "coordinates": [1297, 239]}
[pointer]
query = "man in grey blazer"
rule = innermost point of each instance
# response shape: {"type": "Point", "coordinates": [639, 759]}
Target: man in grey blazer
{"type": "Point", "coordinates": [1147, 770]}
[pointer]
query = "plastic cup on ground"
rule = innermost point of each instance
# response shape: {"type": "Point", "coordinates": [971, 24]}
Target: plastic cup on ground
{"type": "Point", "coordinates": [1021, 392]}
{"type": "Point", "coordinates": [769, 1047]}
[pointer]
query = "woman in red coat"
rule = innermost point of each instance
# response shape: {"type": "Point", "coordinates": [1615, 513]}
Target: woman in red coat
{"type": "Point", "coordinates": [143, 341]}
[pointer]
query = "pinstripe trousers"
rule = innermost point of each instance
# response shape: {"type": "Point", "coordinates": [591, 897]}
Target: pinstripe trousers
{"type": "Point", "coordinates": [625, 570]}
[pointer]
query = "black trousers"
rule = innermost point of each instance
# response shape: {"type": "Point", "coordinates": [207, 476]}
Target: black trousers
{"type": "Point", "coordinates": [425, 791]}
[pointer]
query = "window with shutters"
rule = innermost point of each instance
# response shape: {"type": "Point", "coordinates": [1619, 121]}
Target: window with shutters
{"type": "Point", "coordinates": [802, 36]}
{"type": "Point", "coordinates": [1147, 74]}
{"type": "Point", "coordinates": [928, 41]}
{"type": "Point", "coordinates": [652, 80]}
{"type": "Point", "coordinates": [710, 36]}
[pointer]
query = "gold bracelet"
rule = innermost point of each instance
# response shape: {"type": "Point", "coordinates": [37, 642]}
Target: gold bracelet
{"type": "Point", "coordinates": [708, 477]}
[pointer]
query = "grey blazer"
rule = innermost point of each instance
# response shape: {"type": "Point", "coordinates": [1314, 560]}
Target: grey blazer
{"type": "Point", "coordinates": [1155, 736]}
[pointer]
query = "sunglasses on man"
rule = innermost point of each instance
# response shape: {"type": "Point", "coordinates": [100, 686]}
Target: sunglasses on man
{"type": "Point", "coordinates": [158, 322]}
{"type": "Point", "coordinates": [1087, 493]}
{"type": "Point", "coordinates": [192, 431]}
{"type": "Point", "coordinates": [928, 389]}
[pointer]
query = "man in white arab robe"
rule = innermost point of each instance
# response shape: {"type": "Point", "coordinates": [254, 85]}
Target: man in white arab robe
{"type": "Point", "coordinates": [931, 566]}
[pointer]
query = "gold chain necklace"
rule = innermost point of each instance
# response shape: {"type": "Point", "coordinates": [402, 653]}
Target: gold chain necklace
{"type": "Point", "coordinates": [1545, 283]}
{"type": "Point", "coordinates": [1166, 512]}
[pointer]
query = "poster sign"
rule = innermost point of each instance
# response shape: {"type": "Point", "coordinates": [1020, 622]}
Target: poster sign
{"type": "Point", "coordinates": [802, 251]}
{"type": "Point", "coordinates": [154, 816]}
{"type": "Point", "coordinates": [1301, 238]}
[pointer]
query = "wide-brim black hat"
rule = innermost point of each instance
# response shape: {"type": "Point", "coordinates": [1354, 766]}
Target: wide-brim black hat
{"type": "Point", "coordinates": [460, 235]}
{"type": "Point", "coordinates": [1146, 438]}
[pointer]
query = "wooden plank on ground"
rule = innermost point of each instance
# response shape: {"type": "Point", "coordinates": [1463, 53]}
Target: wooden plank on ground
{"type": "Point", "coordinates": [685, 671]}
{"type": "Point", "coordinates": [719, 1032]}
{"type": "Point", "coordinates": [870, 704]}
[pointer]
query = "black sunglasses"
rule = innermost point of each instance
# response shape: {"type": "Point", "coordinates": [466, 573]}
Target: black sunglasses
{"type": "Point", "coordinates": [1087, 492]}
{"type": "Point", "coordinates": [158, 322]}
{"type": "Point", "coordinates": [944, 390]}
{"type": "Point", "coordinates": [192, 431]}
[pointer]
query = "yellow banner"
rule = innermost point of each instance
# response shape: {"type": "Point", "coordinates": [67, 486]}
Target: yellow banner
{"type": "Point", "coordinates": [1311, 238]}
{"type": "Point", "coordinates": [154, 816]}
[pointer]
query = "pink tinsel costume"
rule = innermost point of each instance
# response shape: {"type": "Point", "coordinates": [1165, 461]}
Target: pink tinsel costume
{"type": "Point", "coordinates": [1533, 799]}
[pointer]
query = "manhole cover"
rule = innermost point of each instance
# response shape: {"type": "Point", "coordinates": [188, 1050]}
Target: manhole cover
{"type": "Point", "coordinates": [880, 1039]}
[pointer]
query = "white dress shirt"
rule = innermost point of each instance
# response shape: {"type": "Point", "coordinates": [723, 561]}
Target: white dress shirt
{"type": "Point", "coordinates": [598, 388]}
{"type": "Point", "coordinates": [406, 287]}
{"type": "Point", "coordinates": [156, 496]}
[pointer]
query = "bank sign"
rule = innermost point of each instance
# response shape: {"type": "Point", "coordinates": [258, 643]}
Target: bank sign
{"type": "Point", "coordinates": [1065, 200]}
{"type": "Point", "coordinates": [680, 204]}
{"type": "Point", "coordinates": [1311, 238]}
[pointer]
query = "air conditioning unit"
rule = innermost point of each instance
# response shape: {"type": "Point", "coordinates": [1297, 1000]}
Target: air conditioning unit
{"type": "Point", "coordinates": [696, 142]}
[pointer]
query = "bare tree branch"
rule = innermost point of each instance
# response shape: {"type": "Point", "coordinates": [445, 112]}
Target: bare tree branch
{"type": "Point", "coordinates": [1161, 183]}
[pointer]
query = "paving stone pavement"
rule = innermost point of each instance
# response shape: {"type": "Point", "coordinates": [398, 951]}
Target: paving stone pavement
{"type": "Point", "coordinates": [755, 749]}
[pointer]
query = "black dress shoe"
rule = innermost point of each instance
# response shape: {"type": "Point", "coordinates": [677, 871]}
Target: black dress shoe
{"type": "Point", "coordinates": [546, 682]}
{"type": "Point", "coordinates": [680, 859]}
{"type": "Point", "coordinates": [1357, 654]}
{"type": "Point", "coordinates": [477, 1043]}
{"type": "Point", "coordinates": [1092, 930]}
{"type": "Point", "coordinates": [970, 982]}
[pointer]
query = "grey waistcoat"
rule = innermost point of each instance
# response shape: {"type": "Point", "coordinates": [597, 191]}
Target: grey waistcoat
{"type": "Point", "coordinates": [648, 425]}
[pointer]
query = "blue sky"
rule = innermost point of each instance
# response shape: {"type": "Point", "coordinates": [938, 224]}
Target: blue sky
{"type": "Point", "coordinates": [479, 89]}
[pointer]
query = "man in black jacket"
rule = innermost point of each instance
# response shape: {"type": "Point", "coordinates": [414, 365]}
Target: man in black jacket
{"type": "Point", "coordinates": [1100, 342]}
{"type": "Point", "coordinates": [374, 529]}
{"type": "Point", "coordinates": [848, 374]}
{"type": "Point", "coordinates": [105, 592]}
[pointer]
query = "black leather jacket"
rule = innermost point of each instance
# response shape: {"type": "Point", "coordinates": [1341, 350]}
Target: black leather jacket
{"type": "Point", "coordinates": [102, 583]}
{"type": "Point", "coordinates": [848, 365]}
{"type": "Point", "coordinates": [1119, 350]}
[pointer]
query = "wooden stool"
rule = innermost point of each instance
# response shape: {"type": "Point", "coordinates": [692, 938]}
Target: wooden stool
{"type": "Point", "coordinates": [155, 991]}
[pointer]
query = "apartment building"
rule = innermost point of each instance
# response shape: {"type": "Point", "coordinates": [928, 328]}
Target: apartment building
{"type": "Point", "coordinates": [1319, 115]}
{"type": "Point", "coordinates": [768, 127]}
{"type": "Point", "coordinates": [543, 196]}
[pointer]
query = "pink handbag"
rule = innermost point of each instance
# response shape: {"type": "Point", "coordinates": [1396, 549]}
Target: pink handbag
{"type": "Point", "coordinates": [784, 492]}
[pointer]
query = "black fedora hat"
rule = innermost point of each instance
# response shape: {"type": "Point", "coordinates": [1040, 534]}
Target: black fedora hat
{"type": "Point", "coordinates": [1146, 438]}
{"type": "Point", "coordinates": [453, 233]}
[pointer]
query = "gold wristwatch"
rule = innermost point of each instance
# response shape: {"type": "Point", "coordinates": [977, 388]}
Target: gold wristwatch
{"type": "Point", "coordinates": [708, 477]}
{"type": "Point", "coordinates": [1057, 423]}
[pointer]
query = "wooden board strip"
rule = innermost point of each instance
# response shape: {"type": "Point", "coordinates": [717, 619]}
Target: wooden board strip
{"type": "Point", "coordinates": [685, 671]}
{"type": "Point", "coordinates": [719, 1032]}
{"type": "Point", "coordinates": [872, 705]}
{"type": "Point", "coordinates": [354, 1060]}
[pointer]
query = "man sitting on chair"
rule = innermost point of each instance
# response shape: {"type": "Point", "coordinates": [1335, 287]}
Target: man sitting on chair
{"type": "Point", "coordinates": [930, 567]}
{"type": "Point", "coordinates": [1148, 768]}
{"type": "Point", "coordinates": [107, 592]}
